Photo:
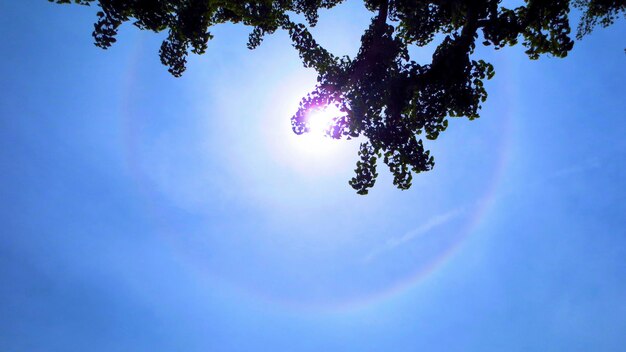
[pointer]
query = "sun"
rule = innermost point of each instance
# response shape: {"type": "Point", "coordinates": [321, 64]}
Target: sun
{"type": "Point", "coordinates": [316, 144]}
{"type": "Point", "coordinates": [320, 120]}
{"type": "Point", "coordinates": [312, 154]}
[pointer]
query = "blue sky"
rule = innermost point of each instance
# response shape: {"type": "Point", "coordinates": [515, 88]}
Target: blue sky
{"type": "Point", "coordinates": [146, 213]}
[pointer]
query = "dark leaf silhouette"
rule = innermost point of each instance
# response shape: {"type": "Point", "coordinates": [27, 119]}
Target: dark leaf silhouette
{"type": "Point", "coordinates": [383, 95]}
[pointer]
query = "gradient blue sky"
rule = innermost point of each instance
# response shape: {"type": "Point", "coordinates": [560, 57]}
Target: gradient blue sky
{"type": "Point", "coordinates": [146, 213]}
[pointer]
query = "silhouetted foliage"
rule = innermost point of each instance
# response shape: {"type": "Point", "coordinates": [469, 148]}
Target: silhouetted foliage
{"type": "Point", "coordinates": [383, 95]}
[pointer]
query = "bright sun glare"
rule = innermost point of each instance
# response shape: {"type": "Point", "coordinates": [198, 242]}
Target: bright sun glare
{"type": "Point", "coordinates": [321, 119]}
{"type": "Point", "coordinates": [315, 143]}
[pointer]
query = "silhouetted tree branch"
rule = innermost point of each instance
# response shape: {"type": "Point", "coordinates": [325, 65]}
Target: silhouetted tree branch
{"type": "Point", "coordinates": [382, 94]}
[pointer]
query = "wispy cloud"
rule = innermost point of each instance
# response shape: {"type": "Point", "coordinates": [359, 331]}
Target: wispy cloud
{"type": "Point", "coordinates": [438, 220]}
{"type": "Point", "coordinates": [432, 223]}
{"type": "Point", "coordinates": [550, 177]}
{"type": "Point", "coordinates": [584, 166]}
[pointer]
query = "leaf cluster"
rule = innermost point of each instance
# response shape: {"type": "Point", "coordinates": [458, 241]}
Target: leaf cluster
{"type": "Point", "coordinates": [384, 96]}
